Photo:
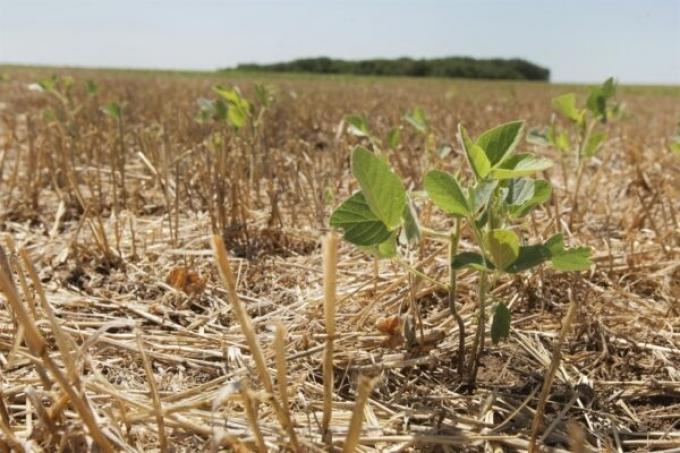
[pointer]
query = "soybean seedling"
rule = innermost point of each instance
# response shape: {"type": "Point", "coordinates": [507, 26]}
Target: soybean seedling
{"type": "Point", "coordinates": [357, 125]}
{"type": "Point", "coordinates": [491, 206]}
{"type": "Point", "coordinates": [587, 133]}
{"type": "Point", "coordinates": [418, 120]}
{"type": "Point", "coordinates": [245, 121]}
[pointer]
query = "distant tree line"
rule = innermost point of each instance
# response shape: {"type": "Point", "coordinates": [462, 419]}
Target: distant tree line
{"type": "Point", "coordinates": [461, 67]}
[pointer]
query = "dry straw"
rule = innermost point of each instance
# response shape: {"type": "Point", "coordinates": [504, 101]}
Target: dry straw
{"type": "Point", "coordinates": [96, 234]}
{"type": "Point", "coordinates": [330, 246]}
{"type": "Point", "coordinates": [550, 374]}
{"type": "Point", "coordinates": [364, 389]}
{"type": "Point", "coordinates": [249, 332]}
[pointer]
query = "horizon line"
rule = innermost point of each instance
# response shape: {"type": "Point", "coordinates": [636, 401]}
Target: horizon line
{"type": "Point", "coordinates": [218, 70]}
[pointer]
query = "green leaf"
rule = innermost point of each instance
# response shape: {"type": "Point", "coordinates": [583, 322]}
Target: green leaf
{"type": "Point", "coordinates": [548, 136]}
{"type": "Point", "coordinates": [562, 142]}
{"type": "Point", "coordinates": [500, 141]}
{"type": "Point", "coordinates": [540, 137]}
{"type": "Point", "coordinates": [231, 95]}
{"type": "Point", "coordinates": [597, 103]}
{"type": "Point", "coordinates": [479, 161]}
{"type": "Point", "coordinates": [481, 194]}
{"type": "Point", "coordinates": [503, 246]}
{"type": "Point", "coordinates": [91, 88]}
{"type": "Point", "coordinates": [529, 256]}
{"type": "Point", "coordinates": [411, 227]}
{"type": "Point", "coordinates": [49, 83]}
{"type": "Point", "coordinates": [475, 154]}
{"type": "Point", "coordinates": [417, 119]}
{"type": "Point", "coordinates": [237, 117]}
{"type": "Point", "coordinates": [555, 244]}
{"type": "Point", "coordinates": [393, 138]}
{"type": "Point", "coordinates": [520, 190]}
{"type": "Point", "coordinates": [500, 326]}
{"type": "Point", "coordinates": [566, 106]}
{"type": "Point", "coordinates": [385, 250]}
{"type": "Point", "coordinates": [594, 143]}
{"type": "Point", "coordinates": [597, 99]}
{"type": "Point", "coordinates": [445, 192]}
{"type": "Point", "coordinates": [472, 260]}
{"type": "Point", "coordinates": [381, 187]}
{"type": "Point", "coordinates": [357, 125]}
{"type": "Point", "coordinates": [539, 194]}
{"type": "Point", "coordinates": [238, 108]}
{"type": "Point", "coordinates": [521, 165]}
{"type": "Point", "coordinates": [575, 259]}
{"type": "Point", "coordinates": [608, 88]}
{"type": "Point", "coordinates": [113, 110]}
{"type": "Point", "coordinates": [361, 226]}
{"type": "Point", "coordinates": [388, 248]}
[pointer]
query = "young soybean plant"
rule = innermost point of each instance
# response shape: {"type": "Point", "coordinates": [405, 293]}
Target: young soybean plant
{"type": "Point", "coordinates": [234, 109]}
{"type": "Point", "coordinates": [491, 207]}
{"type": "Point", "coordinates": [587, 126]}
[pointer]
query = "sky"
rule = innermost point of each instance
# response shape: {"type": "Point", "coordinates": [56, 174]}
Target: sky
{"type": "Point", "coordinates": [578, 40]}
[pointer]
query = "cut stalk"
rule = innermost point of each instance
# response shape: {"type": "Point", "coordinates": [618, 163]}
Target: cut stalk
{"type": "Point", "coordinates": [330, 246]}
{"type": "Point", "coordinates": [246, 324]}
{"type": "Point", "coordinates": [38, 347]}
{"type": "Point", "coordinates": [550, 375]}
{"type": "Point", "coordinates": [252, 416]}
{"type": "Point", "coordinates": [282, 381]}
{"type": "Point", "coordinates": [366, 385]}
{"type": "Point", "coordinates": [153, 390]}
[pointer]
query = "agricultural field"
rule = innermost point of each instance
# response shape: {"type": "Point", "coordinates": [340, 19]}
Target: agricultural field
{"type": "Point", "coordinates": [187, 264]}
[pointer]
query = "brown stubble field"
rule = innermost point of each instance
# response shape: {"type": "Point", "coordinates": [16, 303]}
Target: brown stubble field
{"type": "Point", "coordinates": [109, 275]}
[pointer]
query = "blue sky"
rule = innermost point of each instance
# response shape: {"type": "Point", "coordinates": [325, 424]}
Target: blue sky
{"type": "Point", "coordinates": [579, 40]}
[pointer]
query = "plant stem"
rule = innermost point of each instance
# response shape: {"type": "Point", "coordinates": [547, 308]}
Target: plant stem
{"type": "Point", "coordinates": [429, 232]}
{"type": "Point", "coordinates": [478, 344]}
{"type": "Point", "coordinates": [580, 168]}
{"type": "Point", "coordinates": [550, 375]}
{"type": "Point", "coordinates": [453, 249]}
{"type": "Point", "coordinates": [416, 272]}
{"type": "Point", "coordinates": [574, 195]}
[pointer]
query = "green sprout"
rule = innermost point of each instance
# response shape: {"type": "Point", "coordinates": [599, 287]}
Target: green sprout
{"type": "Point", "coordinates": [587, 135]}
{"type": "Point", "coordinates": [489, 208]}
{"type": "Point", "coordinates": [234, 109]}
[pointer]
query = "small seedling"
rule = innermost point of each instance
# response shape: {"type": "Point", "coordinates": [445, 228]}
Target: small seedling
{"type": "Point", "coordinates": [113, 110]}
{"type": "Point", "coordinates": [357, 125]}
{"type": "Point", "coordinates": [418, 120]}
{"type": "Point", "coordinates": [490, 207]}
{"type": "Point", "coordinates": [245, 119]}
{"type": "Point", "coordinates": [234, 109]}
{"type": "Point", "coordinates": [587, 134]}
